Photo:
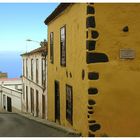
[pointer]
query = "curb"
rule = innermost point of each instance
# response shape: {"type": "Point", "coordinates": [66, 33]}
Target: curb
{"type": "Point", "coordinates": [51, 124]}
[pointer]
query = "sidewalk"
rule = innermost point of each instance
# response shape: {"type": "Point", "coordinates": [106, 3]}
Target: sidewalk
{"type": "Point", "coordinates": [51, 124]}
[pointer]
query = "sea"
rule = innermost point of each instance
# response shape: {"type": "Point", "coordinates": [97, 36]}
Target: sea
{"type": "Point", "coordinates": [11, 63]}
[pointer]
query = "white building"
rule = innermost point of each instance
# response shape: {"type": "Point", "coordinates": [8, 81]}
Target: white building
{"type": "Point", "coordinates": [10, 94]}
{"type": "Point", "coordinates": [34, 77]}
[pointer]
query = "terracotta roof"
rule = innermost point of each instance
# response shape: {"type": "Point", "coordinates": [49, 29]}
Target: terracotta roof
{"type": "Point", "coordinates": [9, 79]}
{"type": "Point", "coordinates": [38, 50]}
{"type": "Point", "coordinates": [59, 9]}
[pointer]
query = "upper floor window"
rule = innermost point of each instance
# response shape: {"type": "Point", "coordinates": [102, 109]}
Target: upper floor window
{"type": "Point", "coordinates": [31, 69]}
{"type": "Point", "coordinates": [23, 68]}
{"type": "Point", "coordinates": [51, 47]}
{"type": "Point", "coordinates": [26, 68]}
{"type": "Point", "coordinates": [63, 46]}
{"type": "Point", "coordinates": [43, 72]}
{"type": "Point", "coordinates": [22, 89]}
{"type": "Point", "coordinates": [37, 65]}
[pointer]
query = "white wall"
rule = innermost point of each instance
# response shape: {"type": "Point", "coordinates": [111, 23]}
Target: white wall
{"type": "Point", "coordinates": [12, 83]}
{"type": "Point", "coordinates": [32, 84]}
{"type": "Point", "coordinates": [0, 103]}
{"type": "Point", "coordinates": [8, 88]}
{"type": "Point", "coordinates": [15, 96]}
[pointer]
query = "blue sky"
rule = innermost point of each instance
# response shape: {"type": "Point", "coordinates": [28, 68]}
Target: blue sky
{"type": "Point", "coordinates": [22, 21]}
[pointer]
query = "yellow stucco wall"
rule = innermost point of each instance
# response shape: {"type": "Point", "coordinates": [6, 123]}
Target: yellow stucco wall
{"type": "Point", "coordinates": [74, 19]}
{"type": "Point", "coordinates": [117, 102]}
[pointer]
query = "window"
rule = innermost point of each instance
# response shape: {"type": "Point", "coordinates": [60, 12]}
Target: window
{"type": "Point", "coordinates": [63, 46]}
{"type": "Point", "coordinates": [51, 47]}
{"type": "Point", "coordinates": [69, 103]}
{"type": "Point", "coordinates": [26, 68]}
{"type": "Point", "coordinates": [27, 98]}
{"type": "Point", "coordinates": [43, 72]}
{"type": "Point", "coordinates": [31, 69]}
{"type": "Point", "coordinates": [23, 67]}
{"type": "Point", "coordinates": [37, 70]}
{"type": "Point", "coordinates": [23, 90]}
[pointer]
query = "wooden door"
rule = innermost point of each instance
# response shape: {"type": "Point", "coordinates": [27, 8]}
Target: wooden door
{"type": "Point", "coordinates": [43, 106]}
{"type": "Point", "coordinates": [9, 104]}
{"type": "Point", "coordinates": [32, 101]}
{"type": "Point", "coordinates": [37, 104]}
{"type": "Point", "coordinates": [57, 102]}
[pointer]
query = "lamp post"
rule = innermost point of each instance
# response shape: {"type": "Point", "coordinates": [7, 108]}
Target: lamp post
{"type": "Point", "coordinates": [30, 40]}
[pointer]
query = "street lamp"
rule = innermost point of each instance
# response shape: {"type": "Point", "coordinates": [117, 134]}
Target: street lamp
{"type": "Point", "coordinates": [30, 40]}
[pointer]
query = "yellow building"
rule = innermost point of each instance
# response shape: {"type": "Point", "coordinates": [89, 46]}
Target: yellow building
{"type": "Point", "coordinates": [3, 75]}
{"type": "Point", "coordinates": [94, 68]}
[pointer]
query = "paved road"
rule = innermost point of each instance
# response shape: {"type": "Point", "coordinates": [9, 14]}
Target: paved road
{"type": "Point", "coordinates": [14, 125]}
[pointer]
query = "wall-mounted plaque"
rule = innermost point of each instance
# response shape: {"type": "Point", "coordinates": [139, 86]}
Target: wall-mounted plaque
{"type": "Point", "coordinates": [127, 53]}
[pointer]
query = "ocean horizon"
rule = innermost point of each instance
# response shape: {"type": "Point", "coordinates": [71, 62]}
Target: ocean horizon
{"type": "Point", "coordinates": [11, 63]}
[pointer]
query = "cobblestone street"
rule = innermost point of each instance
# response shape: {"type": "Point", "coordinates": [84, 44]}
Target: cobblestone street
{"type": "Point", "coordinates": [14, 125]}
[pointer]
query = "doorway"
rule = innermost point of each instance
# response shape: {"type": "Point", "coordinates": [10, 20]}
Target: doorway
{"type": "Point", "coordinates": [4, 102]}
{"type": "Point", "coordinates": [9, 104]}
{"type": "Point", "coordinates": [37, 104]}
{"type": "Point", "coordinates": [57, 102]}
{"type": "Point", "coordinates": [43, 106]}
{"type": "Point", "coordinates": [32, 101]}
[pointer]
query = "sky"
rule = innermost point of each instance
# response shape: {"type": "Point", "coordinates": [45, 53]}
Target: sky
{"type": "Point", "coordinates": [22, 21]}
{"type": "Point", "coordinates": [19, 22]}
